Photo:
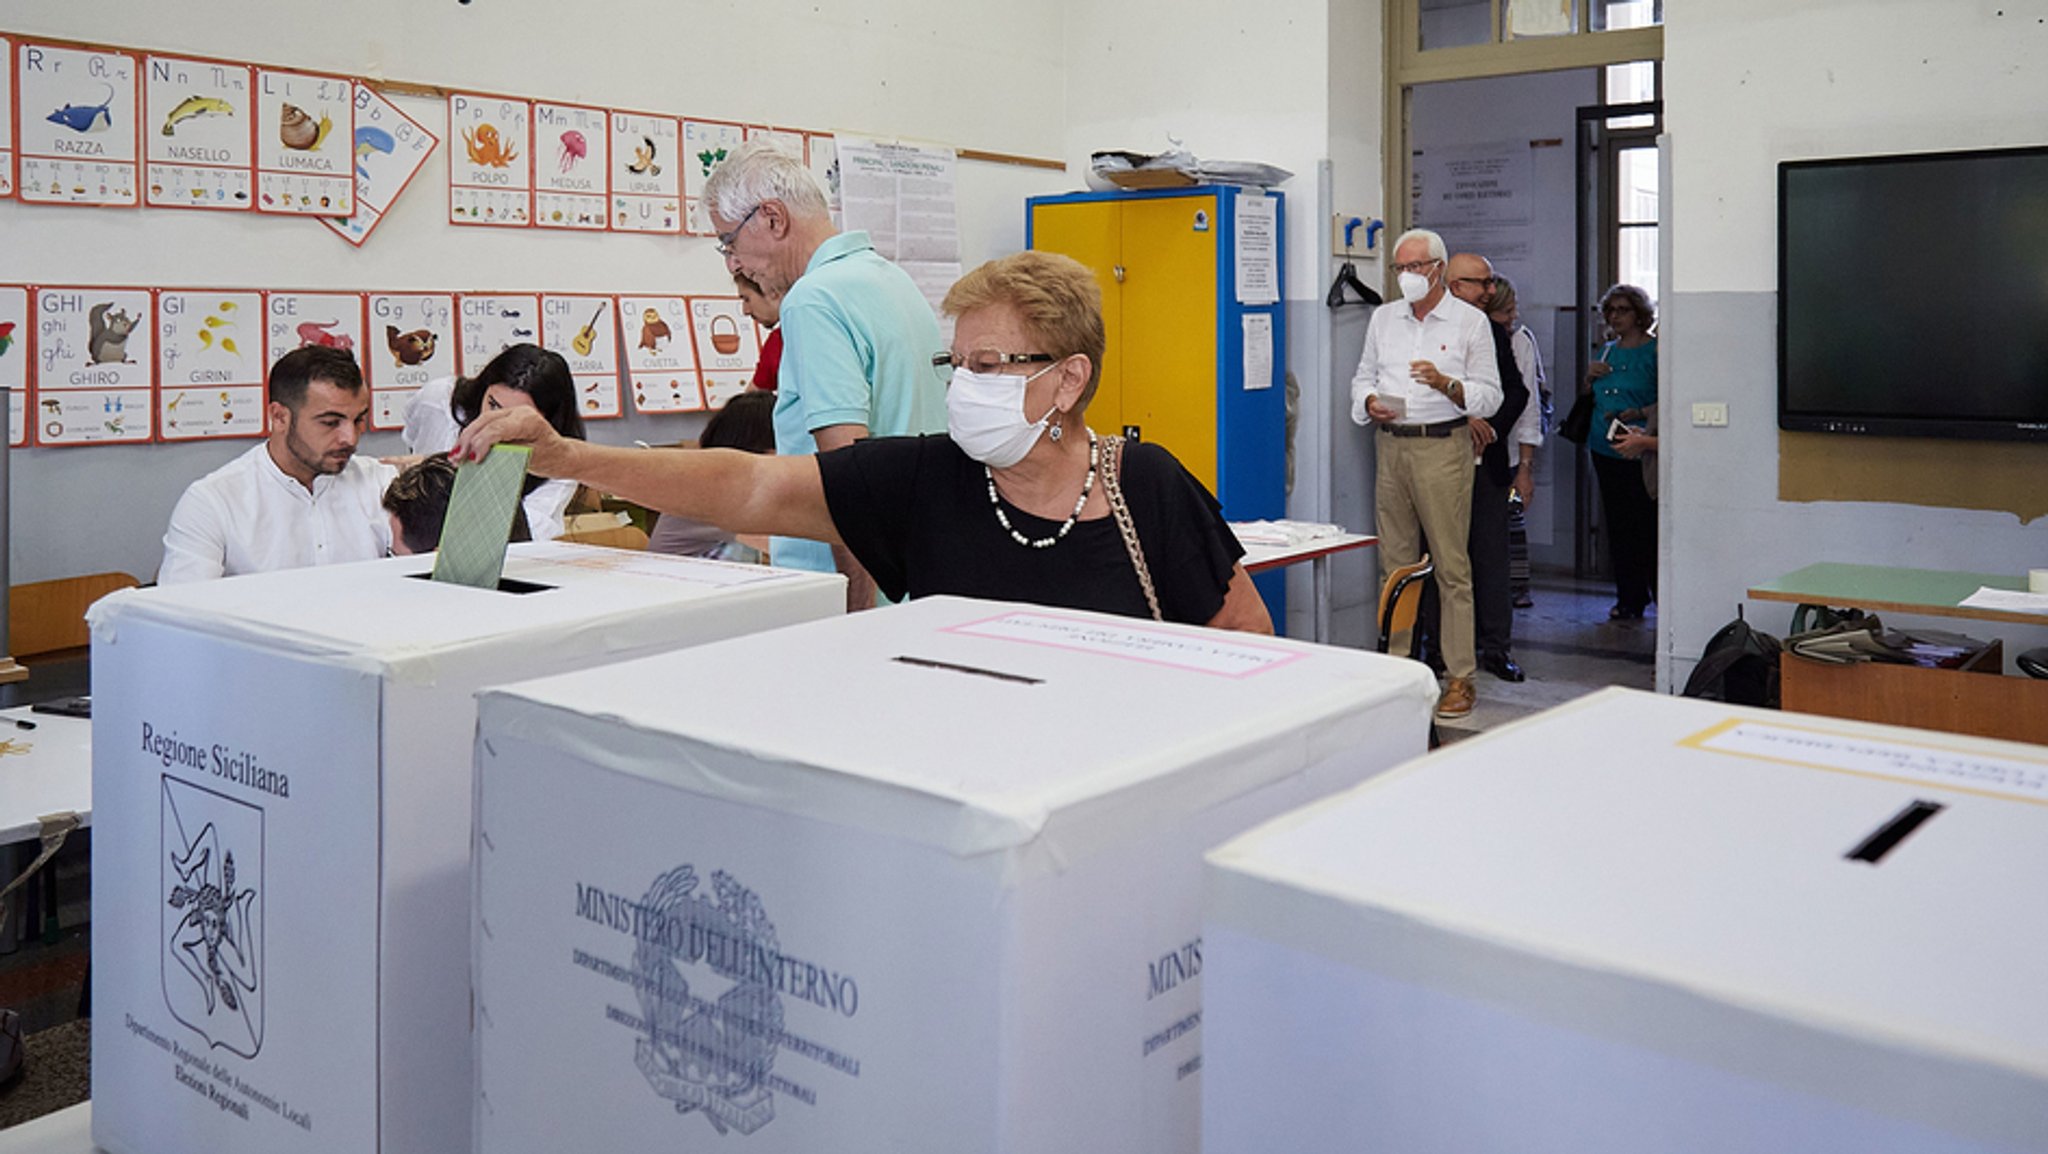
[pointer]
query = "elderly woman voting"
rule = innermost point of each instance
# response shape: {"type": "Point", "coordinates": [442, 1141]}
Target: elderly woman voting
{"type": "Point", "coordinates": [1021, 501]}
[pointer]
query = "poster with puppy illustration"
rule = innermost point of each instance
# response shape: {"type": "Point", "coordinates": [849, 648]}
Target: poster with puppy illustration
{"type": "Point", "coordinates": [490, 160]}
{"type": "Point", "coordinates": [572, 171]}
{"type": "Point", "coordinates": [15, 331]}
{"type": "Point", "coordinates": [95, 365]}
{"type": "Point", "coordinates": [76, 125]}
{"type": "Point", "coordinates": [209, 353]}
{"type": "Point", "coordinates": [305, 124]}
{"type": "Point", "coordinates": [201, 146]}
{"type": "Point", "coordinates": [390, 147]}
{"type": "Point", "coordinates": [585, 330]}
{"type": "Point", "coordinates": [661, 363]}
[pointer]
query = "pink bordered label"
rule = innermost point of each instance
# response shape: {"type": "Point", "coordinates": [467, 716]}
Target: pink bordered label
{"type": "Point", "coordinates": [1213, 652]}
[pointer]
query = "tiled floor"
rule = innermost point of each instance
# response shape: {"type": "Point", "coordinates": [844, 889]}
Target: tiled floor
{"type": "Point", "coordinates": [1568, 647]}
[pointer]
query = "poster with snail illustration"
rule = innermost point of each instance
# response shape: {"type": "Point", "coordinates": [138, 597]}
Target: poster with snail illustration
{"type": "Point", "coordinates": [14, 358]}
{"type": "Point", "coordinates": [390, 147]}
{"type": "Point", "coordinates": [572, 168]}
{"type": "Point", "coordinates": [661, 365]}
{"type": "Point", "coordinates": [417, 345]}
{"type": "Point", "coordinates": [201, 143]}
{"type": "Point", "coordinates": [95, 365]}
{"type": "Point", "coordinates": [304, 124]}
{"type": "Point", "coordinates": [296, 320]}
{"type": "Point", "coordinates": [728, 347]}
{"type": "Point", "coordinates": [585, 330]}
{"type": "Point", "coordinates": [493, 322]}
{"type": "Point", "coordinates": [706, 144]}
{"type": "Point", "coordinates": [75, 124]}
{"type": "Point", "coordinates": [646, 173]}
{"type": "Point", "coordinates": [6, 117]}
{"type": "Point", "coordinates": [490, 160]}
{"type": "Point", "coordinates": [209, 355]}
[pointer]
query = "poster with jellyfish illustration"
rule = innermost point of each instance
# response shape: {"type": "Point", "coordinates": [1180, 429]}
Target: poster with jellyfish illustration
{"type": "Point", "coordinates": [95, 365]}
{"type": "Point", "coordinates": [76, 127]}
{"type": "Point", "coordinates": [14, 358]}
{"type": "Point", "coordinates": [571, 166]}
{"type": "Point", "coordinates": [390, 147]}
{"type": "Point", "coordinates": [490, 160]}
{"type": "Point", "coordinates": [201, 148]}
{"type": "Point", "coordinates": [209, 353]}
{"type": "Point", "coordinates": [305, 124]}
{"type": "Point", "coordinates": [646, 173]}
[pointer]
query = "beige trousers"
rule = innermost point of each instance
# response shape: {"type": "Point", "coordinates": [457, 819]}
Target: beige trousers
{"type": "Point", "coordinates": [1423, 488]}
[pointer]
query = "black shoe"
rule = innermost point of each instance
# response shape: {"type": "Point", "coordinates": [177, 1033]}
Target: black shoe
{"type": "Point", "coordinates": [1625, 613]}
{"type": "Point", "coordinates": [1502, 665]}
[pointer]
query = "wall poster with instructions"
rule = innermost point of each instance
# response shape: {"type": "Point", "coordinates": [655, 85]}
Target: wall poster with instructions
{"type": "Point", "coordinates": [414, 337]}
{"type": "Point", "coordinates": [390, 147]}
{"type": "Point", "coordinates": [304, 126]}
{"type": "Point", "coordinates": [706, 144]}
{"type": "Point", "coordinates": [95, 365]}
{"type": "Point", "coordinates": [297, 320]}
{"type": "Point", "coordinates": [76, 122]}
{"type": "Point", "coordinates": [209, 353]}
{"type": "Point", "coordinates": [571, 172]}
{"type": "Point", "coordinates": [201, 147]}
{"type": "Point", "coordinates": [14, 358]}
{"type": "Point", "coordinates": [728, 347]}
{"type": "Point", "coordinates": [493, 322]}
{"type": "Point", "coordinates": [660, 361]}
{"type": "Point", "coordinates": [646, 173]}
{"type": "Point", "coordinates": [490, 160]}
{"type": "Point", "coordinates": [585, 330]}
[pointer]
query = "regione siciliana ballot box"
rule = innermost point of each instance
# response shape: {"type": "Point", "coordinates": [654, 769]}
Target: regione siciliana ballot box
{"type": "Point", "coordinates": [938, 891]}
{"type": "Point", "coordinates": [1643, 923]}
{"type": "Point", "coordinates": [281, 862]}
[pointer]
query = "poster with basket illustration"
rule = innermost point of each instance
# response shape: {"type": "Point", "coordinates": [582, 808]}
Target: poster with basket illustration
{"type": "Point", "coordinates": [728, 347]}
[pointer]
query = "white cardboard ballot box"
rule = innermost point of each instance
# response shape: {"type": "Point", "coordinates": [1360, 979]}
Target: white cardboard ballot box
{"type": "Point", "coordinates": [921, 879]}
{"type": "Point", "coordinates": [282, 784]}
{"type": "Point", "coordinates": [1643, 923]}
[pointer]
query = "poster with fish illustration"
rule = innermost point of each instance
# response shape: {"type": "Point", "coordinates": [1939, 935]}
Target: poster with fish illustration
{"type": "Point", "coordinates": [15, 331]}
{"type": "Point", "coordinates": [201, 138]}
{"type": "Point", "coordinates": [490, 160]}
{"type": "Point", "coordinates": [417, 345]}
{"type": "Point", "coordinates": [95, 365]}
{"type": "Point", "coordinates": [492, 322]}
{"type": "Point", "coordinates": [706, 144]}
{"type": "Point", "coordinates": [6, 117]}
{"type": "Point", "coordinates": [821, 150]}
{"type": "Point", "coordinates": [585, 330]}
{"type": "Point", "coordinates": [390, 147]}
{"type": "Point", "coordinates": [76, 130]}
{"type": "Point", "coordinates": [571, 166]}
{"type": "Point", "coordinates": [305, 163]}
{"type": "Point", "coordinates": [646, 173]}
{"type": "Point", "coordinates": [209, 355]}
{"type": "Point", "coordinates": [728, 347]}
{"type": "Point", "coordinates": [294, 320]}
{"type": "Point", "coordinates": [661, 363]}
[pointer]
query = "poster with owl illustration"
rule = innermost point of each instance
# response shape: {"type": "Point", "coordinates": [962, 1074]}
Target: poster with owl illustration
{"type": "Point", "coordinates": [14, 358]}
{"type": "Point", "coordinates": [585, 330]}
{"type": "Point", "coordinates": [706, 144]}
{"type": "Point", "coordinates": [493, 322]}
{"type": "Point", "coordinates": [646, 173]}
{"type": "Point", "coordinates": [201, 149]}
{"type": "Point", "coordinates": [390, 147]}
{"type": "Point", "coordinates": [490, 160]}
{"type": "Point", "coordinates": [210, 371]}
{"type": "Point", "coordinates": [77, 135]}
{"type": "Point", "coordinates": [305, 129]}
{"type": "Point", "coordinates": [95, 365]}
{"type": "Point", "coordinates": [413, 341]}
{"type": "Point", "coordinates": [661, 364]}
{"type": "Point", "coordinates": [572, 171]}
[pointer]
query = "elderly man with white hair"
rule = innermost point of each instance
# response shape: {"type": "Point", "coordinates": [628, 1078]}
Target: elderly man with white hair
{"type": "Point", "coordinates": [858, 337]}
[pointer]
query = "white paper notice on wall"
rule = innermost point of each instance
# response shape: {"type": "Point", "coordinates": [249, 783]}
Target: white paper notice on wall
{"type": "Point", "coordinates": [1932, 765]}
{"type": "Point", "coordinates": [1258, 249]}
{"type": "Point", "coordinates": [1258, 351]}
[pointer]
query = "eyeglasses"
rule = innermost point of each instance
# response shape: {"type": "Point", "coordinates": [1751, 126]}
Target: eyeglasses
{"type": "Point", "coordinates": [1617, 307]}
{"type": "Point", "coordinates": [985, 361]}
{"type": "Point", "coordinates": [1488, 281]}
{"type": "Point", "coordinates": [1417, 265]}
{"type": "Point", "coordinates": [725, 239]}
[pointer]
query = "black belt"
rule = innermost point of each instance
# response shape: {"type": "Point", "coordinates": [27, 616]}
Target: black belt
{"type": "Point", "coordinates": [1440, 429]}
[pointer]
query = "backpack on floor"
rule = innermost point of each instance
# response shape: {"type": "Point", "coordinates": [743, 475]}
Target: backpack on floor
{"type": "Point", "coordinates": [1739, 666]}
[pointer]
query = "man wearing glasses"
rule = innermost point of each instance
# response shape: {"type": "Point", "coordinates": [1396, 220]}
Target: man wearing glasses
{"type": "Point", "coordinates": [1428, 367]}
{"type": "Point", "coordinates": [858, 337]}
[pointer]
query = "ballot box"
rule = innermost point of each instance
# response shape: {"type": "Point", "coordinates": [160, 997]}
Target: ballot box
{"type": "Point", "coordinates": [1643, 923]}
{"type": "Point", "coordinates": [921, 879]}
{"type": "Point", "coordinates": [282, 790]}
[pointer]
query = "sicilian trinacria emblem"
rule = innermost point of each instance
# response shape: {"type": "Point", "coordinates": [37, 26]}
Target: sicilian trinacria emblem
{"type": "Point", "coordinates": [213, 915]}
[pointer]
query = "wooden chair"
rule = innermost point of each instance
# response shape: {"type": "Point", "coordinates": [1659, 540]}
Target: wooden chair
{"type": "Point", "coordinates": [1400, 604]}
{"type": "Point", "coordinates": [49, 616]}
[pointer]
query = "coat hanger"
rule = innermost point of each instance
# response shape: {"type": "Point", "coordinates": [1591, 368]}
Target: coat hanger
{"type": "Point", "coordinates": [1347, 277]}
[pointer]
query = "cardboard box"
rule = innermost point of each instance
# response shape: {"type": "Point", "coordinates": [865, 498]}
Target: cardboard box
{"type": "Point", "coordinates": [281, 782]}
{"type": "Point", "coordinates": [1643, 923]}
{"type": "Point", "coordinates": [936, 890]}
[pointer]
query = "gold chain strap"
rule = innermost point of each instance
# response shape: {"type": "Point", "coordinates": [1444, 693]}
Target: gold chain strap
{"type": "Point", "coordinates": [1113, 488]}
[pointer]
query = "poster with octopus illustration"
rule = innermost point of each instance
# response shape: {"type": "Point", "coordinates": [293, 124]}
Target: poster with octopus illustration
{"type": "Point", "coordinates": [75, 121]}
{"type": "Point", "coordinates": [728, 347]}
{"type": "Point", "coordinates": [201, 148]}
{"type": "Point", "coordinates": [490, 160]}
{"type": "Point", "coordinates": [14, 358]}
{"type": "Point", "coordinates": [304, 124]}
{"type": "Point", "coordinates": [390, 147]}
{"type": "Point", "coordinates": [661, 365]}
{"type": "Point", "coordinates": [295, 320]}
{"type": "Point", "coordinates": [95, 365]}
{"type": "Point", "coordinates": [706, 144]}
{"type": "Point", "coordinates": [6, 117]}
{"type": "Point", "coordinates": [417, 346]}
{"type": "Point", "coordinates": [493, 322]}
{"type": "Point", "coordinates": [585, 330]}
{"type": "Point", "coordinates": [646, 173]}
{"type": "Point", "coordinates": [571, 166]}
{"type": "Point", "coordinates": [209, 356]}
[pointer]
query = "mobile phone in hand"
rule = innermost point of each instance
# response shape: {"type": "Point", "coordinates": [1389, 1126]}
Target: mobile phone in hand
{"type": "Point", "coordinates": [1616, 430]}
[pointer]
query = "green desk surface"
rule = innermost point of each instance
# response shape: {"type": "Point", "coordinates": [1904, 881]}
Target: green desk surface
{"type": "Point", "coordinates": [1934, 592]}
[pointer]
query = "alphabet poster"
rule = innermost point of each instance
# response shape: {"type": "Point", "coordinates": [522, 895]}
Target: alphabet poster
{"type": "Point", "coordinates": [304, 124]}
{"type": "Point", "coordinates": [728, 347]}
{"type": "Point", "coordinates": [202, 144]}
{"type": "Point", "coordinates": [418, 345]}
{"type": "Point", "coordinates": [822, 149]}
{"type": "Point", "coordinates": [14, 357]}
{"type": "Point", "coordinates": [659, 360]}
{"type": "Point", "coordinates": [585, 330]}
{"type": "Point", "coordinates": [390, 147]}
{"type": "Point", "coordinates": [209, 353]}
{"type": "Point", "coordinates": [490, 160]}
{"type": "Point", "coordinates": [790, 140]}
{"type": "Point", "coordinates": [491, 323]}
{"type": "Point", "coordinates": [6, 117]}
{"type": "Point", "coordinates": [572, 166]}
{"type": "Point", "coordinates": [646, 188]}
{"type": "Point", "coordinates": [77, 112]}
{"type": "Point", "coordinates": [95, 365]}
{"type": "Point", "coordinates": [706, 144]}
{"type": "Point", "coordinates": [295, 320]}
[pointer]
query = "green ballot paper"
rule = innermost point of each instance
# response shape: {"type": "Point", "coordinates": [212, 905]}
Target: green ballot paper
{"type": "Point", "coordinates": [479, 524]}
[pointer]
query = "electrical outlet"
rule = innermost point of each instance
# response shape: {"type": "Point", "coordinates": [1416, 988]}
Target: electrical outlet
{"type": "Point", "coordinates": [1710, 415]}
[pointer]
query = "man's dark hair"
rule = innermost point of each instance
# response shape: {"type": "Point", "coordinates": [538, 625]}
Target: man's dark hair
{"type": "Point", "coordinates": [419, 496]}
{"type": "Point", "coordinates": [301, 367]}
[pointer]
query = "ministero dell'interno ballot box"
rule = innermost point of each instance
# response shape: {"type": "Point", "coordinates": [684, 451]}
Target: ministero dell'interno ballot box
{"type": "Point", "coordinates": [1643, 923]}
{"type": "Point", "coordinates": [282, 785]}
{"type": "Point", "coordinates": [939, 892]}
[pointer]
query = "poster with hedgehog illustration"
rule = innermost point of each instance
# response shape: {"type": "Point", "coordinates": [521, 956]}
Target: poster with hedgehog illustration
{"type": "Point", "coordinates": [390, 147]}
{"type": "Point", "coordinates": [305, 125]}
{"type": "Point", "coordinates": [647, 173]}
{"type": "Point", "coordinates": [201, 138]}
{"type": "Point", "coordinates": [209, 353]}
{"type": "Point", "coordinates": [76, 125]}
{"type": "Point", "coordinates": [95, 365]}
{"type": "Point", "coordinates": [572, 166]}
{"type": "Point", "coordinates": [490, 160]}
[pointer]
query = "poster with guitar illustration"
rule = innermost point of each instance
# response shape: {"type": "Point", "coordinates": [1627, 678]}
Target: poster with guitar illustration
{"type": "Point", "coordinates": [14, 358]}
{"type": "Point", "coordinates": [209, 355]}
{"type": "Point", "coordinates": [413, 341]}
{"type": "Point", "coordinates": [660, 363]}
{"type": "Point", "coordinates": [202, 141]}
{"type": "Point", "coordinates": [491, 322]}
{"type": "Point", "coordinates": [6, 117]}
{"type": "Point", "coordinates": [728, 347]}
{"type": "Point", "coordinates": [294, 320]}
{"type": "Point", "coordinates": [706, 144]}
{"type": "Point", "coordinates": [570, 175]}
{"type": "Point", "coordinates": [76, 125]}
{"type": "Point", "coordinates": [305, 163]}
{"type": "Point", "coordinates": [95, 365]}
{"type": "Point", "coordinates": [585, 330]}
{"type": "Point", "coordinates": [490, 160]}
{"type": "Point", "coordinates": [646, 173]}
{"type": "Point", "coordinates": [390, 147]}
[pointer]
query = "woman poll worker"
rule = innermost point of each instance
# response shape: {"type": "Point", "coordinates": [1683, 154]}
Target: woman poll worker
{"type": "Point", "coordinates": [1020, 501]}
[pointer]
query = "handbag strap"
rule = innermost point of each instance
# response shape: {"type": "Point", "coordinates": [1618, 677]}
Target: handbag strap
{"type": "Point", "coordinates": [1113, 489]}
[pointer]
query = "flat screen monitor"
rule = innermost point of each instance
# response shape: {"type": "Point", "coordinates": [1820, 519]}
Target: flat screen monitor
{"type": "Point", "coordinates": [1913, 295]}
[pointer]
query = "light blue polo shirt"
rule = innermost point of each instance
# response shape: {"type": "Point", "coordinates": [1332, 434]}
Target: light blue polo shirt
{"type": "Point", "coordinates": [857, 346]}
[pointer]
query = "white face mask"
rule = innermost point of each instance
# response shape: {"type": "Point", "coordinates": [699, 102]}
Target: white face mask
{"type": "Point", "coordinates": [985, 416]}
{"type": "Point", "coordinates": [1414, 286]}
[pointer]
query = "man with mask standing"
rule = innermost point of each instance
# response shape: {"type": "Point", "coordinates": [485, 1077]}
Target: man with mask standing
{"type": "Point", "coordinates": [1428, 367]}
{"type": "Point", "coordinates": [858, 337]}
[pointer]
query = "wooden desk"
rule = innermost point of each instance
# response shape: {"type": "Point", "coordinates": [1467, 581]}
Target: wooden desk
{"type": "Point", "coordinates": [1260, 558]}
{"type": "Point", "coordinates": [1886, 589]}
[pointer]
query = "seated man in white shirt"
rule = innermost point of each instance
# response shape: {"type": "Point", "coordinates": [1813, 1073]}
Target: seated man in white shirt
{"type": "Point", "coordinates": [300, 498]}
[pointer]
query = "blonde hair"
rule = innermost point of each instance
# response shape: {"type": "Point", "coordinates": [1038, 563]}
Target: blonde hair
{"type": "Point", "coordinates": [1503, 296]}
{"type": "Point", "coordinates": [1056, 297]}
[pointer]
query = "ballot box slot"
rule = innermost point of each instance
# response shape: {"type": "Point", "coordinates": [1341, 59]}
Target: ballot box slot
{"type": "Point", "coordinates": [974, 670]}
{"type": "Point", "coordinates": [1887, 837]}
{"type": "Point", "coordinates": [505, 584]}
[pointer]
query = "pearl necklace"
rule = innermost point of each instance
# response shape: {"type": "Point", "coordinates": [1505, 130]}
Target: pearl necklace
{"type": "Point", "coordinates": [1087, 486]}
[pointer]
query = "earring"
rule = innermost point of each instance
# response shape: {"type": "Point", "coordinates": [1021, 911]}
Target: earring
{"type": "Point", "coordinates": [1054, 432]}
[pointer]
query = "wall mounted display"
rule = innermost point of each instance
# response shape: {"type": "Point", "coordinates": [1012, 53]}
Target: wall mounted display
{"type": "Point", "coordinates": [390, 147]}
{"type": "Point", "coordinates": [492, 322]}
{"type": "Point", "coordinates": [490, 160]}
{"type": "Point", "coordinates": [77, 123]}
{"type": "Point", "coordinates": [95, 365]}
{"type": "Point", "coordinates": [201, 143]}
{"type": "Point", "coordinates": [573, 164]}
{"type": "Point", "coordinates": [15, 352]}
{"type": "Point", "coordinates": [646, 173]}
{"type": "Point", "coordinates": [728, 347]}
{"type": "Point", "coordinates": [821, 151]}
{"type": "Point", "coordinates": [295, 320]}
{"type": "Point", "coordinates": [585, 330]}
{"type": "Point", "coordinates": [414, 341]}
{"type": "Point", "coordinates": [660, 363]}
{"type": "Point", "coordinates": [304, 125]}
{"type": "Point", "coordinates": [6, 117]}
{"type": "Point", "coordinates": [209, 353]}
{"type": "Point", "coordinates": [706, 144]}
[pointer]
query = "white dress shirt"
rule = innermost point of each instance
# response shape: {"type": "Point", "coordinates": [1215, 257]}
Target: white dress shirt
{"type": "Point", "coordinates": [1454, 336]}
{"type": "Point", "coordinates": [249, 517]}
{"type": "Point", "coordinates": [1528, 428]}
